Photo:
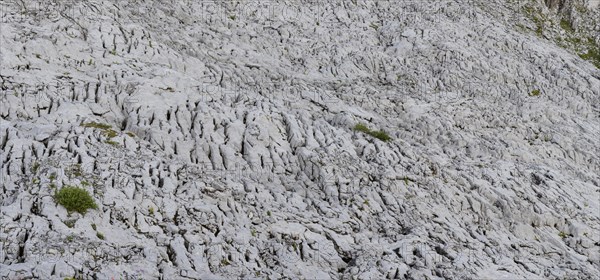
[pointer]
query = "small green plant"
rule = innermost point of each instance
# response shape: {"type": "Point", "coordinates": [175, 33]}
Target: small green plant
{"type": "Point", "coordinates": [110, 133]}
{"type": "Point", "coordinates": [75, 199]}
{"type": "Point", "coordinates": [151, 210]}
{"type": "Point", "coordinates": [70, 238]}
{"type": "Point", "coordinates": [74, 170]}
{"type": "Point", "coordinates": [362, 128]}
{"type": "Point", "coordinates": [253, 232]}
{"type": "Point", "coordinates": [566, 25]}
{"type": "Point", "coordinates": [232, 17]}
{"type": "Point", "coordinates": [131, 134]}
{"type": "Point", "coordinates": [100, 235]}
{"type": "Point", "coordinates": [539, 30]}
{"type": "Point", "coordinates": [562, 234]}
{"type": "Point", "coordinates": [52, 176]}
{"type": "Point", "coordinates": [35, 166]}
{"type": "Point", "coordinates": [381, 135]}
{"type": "Point", "coordinates": [97, 125]}
{"type": "Point", "coordinates": [225, 262]}
{"type": "Point", "coordinates": [38, 56]}
{"type": "Point", "coordinates": [535, 92]}
{"type": "Point", "coordinates": [111, 143]}
{"type": "Point", "coordinates": [70, 223]}
{"type": "Point", "coordinates": [93, 226]}
{"type": "Point", "coordinates": [269, 213]}
{"type": "Point", "coordinates": [106, 131]}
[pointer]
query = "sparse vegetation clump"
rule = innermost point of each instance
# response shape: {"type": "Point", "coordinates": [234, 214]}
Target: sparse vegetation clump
{"type": "Point", "coordinates": [112, 143]}
{"type": "Point", "coordinates": [381, 135]}
{"type": "Point", "coordinates": [35, 167]}
{"type": "Point", "coordinates": [362, 128]}
{"type": "Point", "coordinates": [70, 223]}
{"type": "Point", "coordinates": [566, 25]}
{"type": "Point", "coordinates": [97, 125]}
{"type": "Point", "coordinates": [535, 92]}
{"type": "Point", "coordinates": [110, 133]}
{"type": "Point", "coordinates": [74, 170]}
{"type": "Point", "coordinates": [592, 55]}
{"type": "Point", "coordinates": [106, 131]}
{"type": "Point", "coordinates": [576, 39]}
{"type": "Point", "coordinates": [75, 199]}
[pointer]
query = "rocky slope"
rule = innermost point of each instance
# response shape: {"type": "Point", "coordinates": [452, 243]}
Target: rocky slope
{"type": "Point", "coordinates": [232, 153]}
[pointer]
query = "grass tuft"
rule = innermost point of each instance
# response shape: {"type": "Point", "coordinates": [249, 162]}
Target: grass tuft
{"type": "Point", "coordinates": [110, 133]}
{"type": "Point", "coordinates": [362, 128]}
{"type": "Point", "coordinates": [116, 144]}
{"type": "Point", "coordinates": [106, 131]}
{"type": "Point", "coordinates": [97, 125]}
{"type": "Point", "coordinates": [593, 55]}
{"type": "Point", "coordinates": [566, 25]}
{"type": "Point", "coordinates": [381, 135]}
{"type": "Point", "coordinates": [75, 199]}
